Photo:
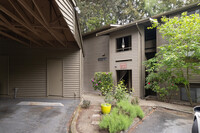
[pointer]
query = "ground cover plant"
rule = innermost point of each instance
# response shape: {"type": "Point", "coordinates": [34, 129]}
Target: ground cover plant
{"type": "Point", "coordinates": [121, 117]}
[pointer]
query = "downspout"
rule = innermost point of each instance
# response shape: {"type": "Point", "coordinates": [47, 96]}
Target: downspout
{"type": "Point", "coordinates": [141, 80]}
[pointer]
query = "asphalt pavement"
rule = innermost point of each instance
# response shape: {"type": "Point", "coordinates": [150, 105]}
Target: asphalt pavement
{"type": "Point", "coordinates": [165, 121]}
{"type": "Point", "coordinates": [35, 118]}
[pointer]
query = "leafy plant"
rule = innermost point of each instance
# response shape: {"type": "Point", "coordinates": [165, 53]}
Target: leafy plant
{"type": "Point", "coordinates": [135, 101]}
{"type": "Point", "coordinates": [117, 94]}
{"type": "Point", "coordinates": [109, 98]}
{"type": "Point", "coordinates": [86, 104]}
{"type": "Point", "coordinates": [161, 80]}
{"type": "Point", "coordinates": [178, 60]}
{"type": "Point", "coordinates": [103, 81]}
{"type": "Point", "coordinates": [120, 92]}
{"type": "Point", "coordinates": [121, 117]}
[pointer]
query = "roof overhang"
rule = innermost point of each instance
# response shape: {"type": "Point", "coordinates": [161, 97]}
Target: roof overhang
{"type": "Point", "coordinates": [40, 23]}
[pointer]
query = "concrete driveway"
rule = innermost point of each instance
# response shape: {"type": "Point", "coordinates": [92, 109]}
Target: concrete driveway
{"type": "Point", "coordinates": [165, 121]}
{"type": "Point", "coordinates": [35, 118]}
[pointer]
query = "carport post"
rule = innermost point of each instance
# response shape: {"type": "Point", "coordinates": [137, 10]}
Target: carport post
{"type": "Point", "coordinates": [15, 92]}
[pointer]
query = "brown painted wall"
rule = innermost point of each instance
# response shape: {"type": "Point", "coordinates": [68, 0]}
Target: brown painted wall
{"type": "Point", "coordinates": [94, 48]}
{"type": "Point", "coordinates": [28, 69]}
{"type": "Point", "coordinates": [134, 54]}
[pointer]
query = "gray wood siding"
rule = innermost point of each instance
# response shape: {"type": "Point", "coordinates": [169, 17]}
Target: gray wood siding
{"type": "Point", "coordinates": [28, 74]}
{"type": "Point", "coordinates": [71, 75]}
{"type": "Point", "coordinates": [28, 69]}
{"type": "Point", "coordinates": [133, 54]}
{"type": "Point", "coordinates": [94, 48]}
{"type": "Point", "coordinates": [68, 12]}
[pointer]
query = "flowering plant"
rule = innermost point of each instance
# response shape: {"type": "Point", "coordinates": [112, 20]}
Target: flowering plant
{"type": "Point", "coordinates": [103, 81]}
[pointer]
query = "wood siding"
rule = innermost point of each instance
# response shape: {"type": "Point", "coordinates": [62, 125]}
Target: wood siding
{"type": "Point", "coordinates": [95, 48]}
{"type": "Point", "coordinates": [134, 54]}
{"type": "Point", "coordinates": [28, 69]}
{"type": "Point", "coordinates": [71, 75]}
{"type": "Point", "coordinates": [68, 13]}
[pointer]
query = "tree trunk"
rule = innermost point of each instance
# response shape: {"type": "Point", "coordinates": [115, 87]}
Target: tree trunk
{"type": "Point", "coordinates": [187, 88]}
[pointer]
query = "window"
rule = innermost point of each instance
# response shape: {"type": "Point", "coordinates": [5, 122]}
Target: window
{"type": "Point", "coordinates": [123, 43]}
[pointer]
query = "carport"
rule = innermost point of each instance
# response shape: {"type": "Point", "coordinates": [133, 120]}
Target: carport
{"type": "Point", "coordinates": [40, 48]}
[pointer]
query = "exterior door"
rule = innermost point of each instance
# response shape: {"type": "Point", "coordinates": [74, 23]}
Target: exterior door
{"type": "Point", "coordinates": [3, 75]}
{"type": "Point", "coordinates": [55, 77]}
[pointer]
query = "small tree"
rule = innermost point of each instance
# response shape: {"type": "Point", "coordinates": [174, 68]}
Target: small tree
{"type": "Point", "coordinates": [181, 56]}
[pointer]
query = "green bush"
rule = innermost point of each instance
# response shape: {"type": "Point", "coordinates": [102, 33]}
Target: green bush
{"type": "Point", "coordinates": [120, 92]}
{"type": "Point", "coordinates": [139, 111]}
{"type": "Point", "coordinates": [103, 81]}
{"type": "Point", "coordinates": [117, 94]}
{"type": "Point", "coordinates": [135, 101]}
{"type": "Point", "coordinates": [121, 117]}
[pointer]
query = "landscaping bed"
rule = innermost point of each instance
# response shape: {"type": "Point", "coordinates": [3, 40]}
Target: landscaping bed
{"type": "Point", "coordinates": [88, 120]}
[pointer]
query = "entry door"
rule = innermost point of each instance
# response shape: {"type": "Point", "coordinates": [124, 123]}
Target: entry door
{"type": "Point", "coordinates": [55, 77]}
{"type": "Point", "coordinates": [3, 75]}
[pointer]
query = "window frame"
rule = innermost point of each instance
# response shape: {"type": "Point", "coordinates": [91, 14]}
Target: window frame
{"type": "Point", "coordinates": [129, 48]}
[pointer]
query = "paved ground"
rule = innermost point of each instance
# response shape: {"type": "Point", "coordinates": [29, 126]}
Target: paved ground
{"type": "Point", "coordinates": [164, 121]}
{"type": "Point", "coordinates": [35, 119]}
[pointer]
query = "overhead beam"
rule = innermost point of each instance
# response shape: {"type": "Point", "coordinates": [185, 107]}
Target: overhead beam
{"type": "Point", "coordinates": [43, 22]}
{"type": "Point", "coordinates": [38, 26]}
{"type": "Point", "coordinates": [14, 38]}
{"type": "Point", "coordinates": [26, 25]}
{"type": "Point", "coordinates": [13, 29]}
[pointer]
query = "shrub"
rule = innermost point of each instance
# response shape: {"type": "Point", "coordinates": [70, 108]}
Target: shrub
{"type": "Point", "coordinates": [135, 101]}
{"type": "Point", "coordinates": [109, 98]}
{"type": "Point", "coordinates": [117, 94]}
{"type": "Point", "coordinates": [139, 111]}
{"type": "Point", "coordinates": [120, 92]}
{"type": "Point", "coordinates": [86, 104]}
{"type": "Point", "coordinates": [121, 117]}
{"type": "Point", "coordinates": [103, 81]}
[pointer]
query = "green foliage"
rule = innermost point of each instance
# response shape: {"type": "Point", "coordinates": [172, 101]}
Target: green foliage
{"type": "Point", "coordinates": [177, 61]}
{"type": "Point", "coordinates": [161, 80]}
{"type": "Point", "coordinates": [135, 101]}
{"type": "Point", "coordinates": [86, 104]}
{"type": "Point", "coordinates": [139, 112]}
{"type": "Point", "coordinates": [103, 81]}
{"type": "Point", "coordinates": [120, 92]}
{"type": "Point", "coordinates": [121, 117]}
{"type": "Point", "coordinates": [117, 94]}
{"type": "Point", "coordinates": [164, 5]}
{"type": "Point", "coordinates": [109, 98]}
{"type": "Point", "coordinates": [97, 13]}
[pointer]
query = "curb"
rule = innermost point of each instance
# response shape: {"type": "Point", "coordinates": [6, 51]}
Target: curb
{"type": "Point", "coordinates": [74, 120]}
{"type": "Point", "coordinates": [187, 112]}
{"type": "Point", "coordinates": [72, 127]}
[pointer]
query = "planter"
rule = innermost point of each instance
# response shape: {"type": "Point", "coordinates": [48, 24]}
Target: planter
{"type": "Point", "coordinates": [105, 108]}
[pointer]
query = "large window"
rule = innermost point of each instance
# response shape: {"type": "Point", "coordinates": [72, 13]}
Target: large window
{"type": "Point", "coordinates": [123, 44]}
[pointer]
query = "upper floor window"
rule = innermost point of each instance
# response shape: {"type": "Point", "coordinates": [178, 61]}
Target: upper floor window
{"type": "Point", "coordinates": [123, 44]}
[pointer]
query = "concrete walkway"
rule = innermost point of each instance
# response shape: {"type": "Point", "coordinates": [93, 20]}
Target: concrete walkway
{"type": "Point", "coordinates": [97, 100]}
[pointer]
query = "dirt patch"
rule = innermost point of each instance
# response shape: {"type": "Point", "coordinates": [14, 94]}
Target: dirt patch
{"type": "Point", "coordinates": [89, 118]}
